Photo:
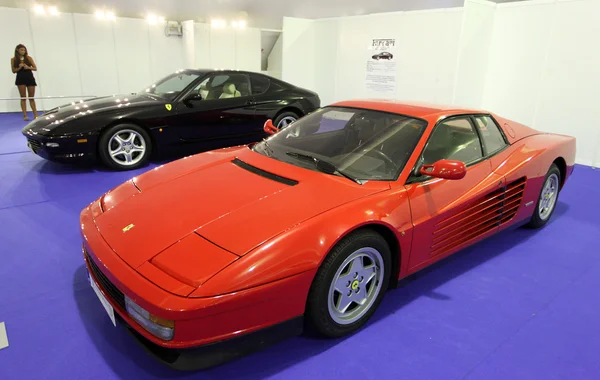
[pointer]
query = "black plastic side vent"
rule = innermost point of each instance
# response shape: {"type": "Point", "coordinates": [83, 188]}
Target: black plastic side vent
{"type": "Point", "coordinates": [264, 173]}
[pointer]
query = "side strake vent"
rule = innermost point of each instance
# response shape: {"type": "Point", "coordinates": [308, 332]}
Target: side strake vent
{"type": "Point", "coordinates": [482, 216]}
{"type": "Point", "coordinates": [264, 173]}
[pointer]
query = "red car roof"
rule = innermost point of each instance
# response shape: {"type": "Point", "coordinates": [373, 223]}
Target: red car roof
{"type": "Point", "coordinates": [415, 109]}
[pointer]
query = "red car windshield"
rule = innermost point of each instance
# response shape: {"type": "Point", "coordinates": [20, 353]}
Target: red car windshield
{"type": "Point", "coordinates": [357, 143]}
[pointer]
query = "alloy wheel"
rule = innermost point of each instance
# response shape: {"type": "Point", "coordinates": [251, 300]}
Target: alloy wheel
{"type": "Point", "coordinates": [355, 286]}
{"type": "Point", "coordinates": [126, 147]}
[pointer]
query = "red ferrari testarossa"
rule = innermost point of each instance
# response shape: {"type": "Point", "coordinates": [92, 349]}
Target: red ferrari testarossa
{"type": "Point", "coordinates": [225, 252]}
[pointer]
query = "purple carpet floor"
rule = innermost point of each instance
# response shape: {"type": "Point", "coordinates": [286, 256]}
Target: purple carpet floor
{"type": "Point", "coordinates": [521, 305]}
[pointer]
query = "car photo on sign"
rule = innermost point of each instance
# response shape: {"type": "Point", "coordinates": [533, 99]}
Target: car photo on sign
{"type": "Point", "coordinates": [383, 55]}
{"type": "Point", "coordinates": [184, 113]}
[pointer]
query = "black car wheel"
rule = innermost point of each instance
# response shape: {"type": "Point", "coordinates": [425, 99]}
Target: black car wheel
{"type": "Point", "coordinates": [548, 198]}
{"type": "Point", "coordinates": [349, 285]}
{"type": "Point", "coordinates": [285, 119]}
{"type": "Point", "coordinates": [125, 147]}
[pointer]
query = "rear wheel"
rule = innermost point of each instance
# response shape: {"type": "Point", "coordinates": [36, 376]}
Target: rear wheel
{"type": "Point", "coordinates": [548, 198]}
{"type": "Point", "coordinates": [349, 285]}
{"type": "Point", "coordinates": [285, 119]}
{"type": "Point", "coordinates": [125, 147]}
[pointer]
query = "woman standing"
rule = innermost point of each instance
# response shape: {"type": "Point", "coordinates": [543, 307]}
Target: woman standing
{"type": "Point", "coordinates": [23, 65]}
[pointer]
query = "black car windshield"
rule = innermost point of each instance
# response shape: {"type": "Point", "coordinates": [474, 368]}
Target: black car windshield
{"type": "Point", "coordinates": [356, 143]}
{"type": "Point", "coordinates": [170, 86]}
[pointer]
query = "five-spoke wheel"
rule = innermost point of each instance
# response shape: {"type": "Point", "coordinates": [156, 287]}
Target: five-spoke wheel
{"type": "Point", "coordinates": [547, 199]}
{"type": "Point", "coordinates": [125, 147]}
{"type": "Point", "coordinates": [355, 286]}
{"type": "Point", "coordinates": [349, 284]}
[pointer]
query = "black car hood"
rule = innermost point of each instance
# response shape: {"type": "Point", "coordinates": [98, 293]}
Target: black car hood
{"type": "Point", "coordinates": [59, 116]}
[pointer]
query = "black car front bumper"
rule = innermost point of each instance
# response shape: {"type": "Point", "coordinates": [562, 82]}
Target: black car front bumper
{"type": "Point", "coordinates": [63, 148]}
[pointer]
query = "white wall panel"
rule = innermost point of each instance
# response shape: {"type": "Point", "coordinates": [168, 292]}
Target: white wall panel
{"type": "Point", "coordinates": [520, 43]}
{"type": "Point", "coordinates": [132, 49]}
{"type": "Point", "coordinates": [247, 49]}
{"type": "Point", "coordinates": [474, 50]}
{"type": "Point", "coordinates": [427, 64]}
{"type": "Point", "coordinates": [275, 59]}
{"type": "Point", "coordinates": [189, 44]}
{"type": "Point", "coordinates": [202, 46]}
{"type": "Point", "coordinates": [96, 52]}
{"type": "Point", "coordinates": [326, 63]}
{"type": "Point", "coordinates": [166, 53]}
{"type": "Point", "coordinates": [12, 20]}
{"type": "Point", "coordinates": [298, 63]}
{"type": "Point", "coordinates": [568, 95]}
{"type": "Point", "coordinates": [56, 57]}
{"type": "Point", "coordinates": [330, 56]}
{"type": "Point", "coordinates": [222, 48]}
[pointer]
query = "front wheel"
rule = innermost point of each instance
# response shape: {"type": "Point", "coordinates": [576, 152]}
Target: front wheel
{"type": "Point", "coordinates": [349, 285]}
{"type": "Point", "coordinates": [125, 147]}
{"type": "Point", "coordinates": [548, 198]}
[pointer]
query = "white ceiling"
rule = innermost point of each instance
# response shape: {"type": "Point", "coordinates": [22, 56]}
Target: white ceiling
{"type": "Point", "coordinates": [259, 13]}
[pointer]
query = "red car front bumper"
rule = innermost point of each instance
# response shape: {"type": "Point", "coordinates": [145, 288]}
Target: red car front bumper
{"type": "Point", "coordinates": [208, 331]}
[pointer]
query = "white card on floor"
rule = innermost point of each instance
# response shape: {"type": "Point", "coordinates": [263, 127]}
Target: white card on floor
{"type": "Point", "coordinates": [3, 336]}
{"type": "Point", "coordinates": [109, 309]}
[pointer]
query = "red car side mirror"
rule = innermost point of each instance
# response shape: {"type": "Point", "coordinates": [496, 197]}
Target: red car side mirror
{"type": "Point", "coordinates": [270, 128]}
{"type": "Point", "coordinates": [446, 169]}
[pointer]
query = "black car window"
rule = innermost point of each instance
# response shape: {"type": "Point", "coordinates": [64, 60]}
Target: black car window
{"type": "Point", "coordinates": [224, 86]}
{"type": "Point", "coordinates": [454, 139]}
{"type": "Point", "coordinates": [170, 86]}
{"type": "Point", "coordinates": [492, 138]}
{"type": "Point", "coordinates": [260, 84]}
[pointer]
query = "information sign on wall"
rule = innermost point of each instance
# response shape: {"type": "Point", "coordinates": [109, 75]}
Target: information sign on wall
{"type": "Point", "coordinates": [381, 76]}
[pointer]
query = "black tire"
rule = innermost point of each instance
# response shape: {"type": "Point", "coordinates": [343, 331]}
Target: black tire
{"type": "Point", "coordinates": [285, 115]}
{"type": "Point", "coordinates": [537, 219]}
{"type": "Point", "coordinates": [103, 146]}
{"type": "Point", "coordinates": [318, 317]}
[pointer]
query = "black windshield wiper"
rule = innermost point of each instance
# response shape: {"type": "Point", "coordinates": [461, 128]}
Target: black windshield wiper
{"type": "Point", "coordinates": [324, 166]}
{"type": "Point", "coordinates": [267, 148]}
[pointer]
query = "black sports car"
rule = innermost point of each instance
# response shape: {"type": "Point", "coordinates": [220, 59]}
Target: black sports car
{"type": "Point", "coordinates": [383, 55]}
{"type": "Point", "coordinates": [186, 112]}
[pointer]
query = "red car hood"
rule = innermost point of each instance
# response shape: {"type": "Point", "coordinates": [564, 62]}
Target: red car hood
{"type": "Point", "coordinates": [230, 197]}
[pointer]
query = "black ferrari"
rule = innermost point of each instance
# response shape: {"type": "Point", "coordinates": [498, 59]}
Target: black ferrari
{"type": "Point", "coordinates": [186, 112]}
{"type": "Point", "coordinates": [383, 55]}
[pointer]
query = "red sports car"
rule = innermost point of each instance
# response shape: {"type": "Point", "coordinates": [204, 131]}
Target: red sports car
{"type": "Point", "coordinates": [225, 252]}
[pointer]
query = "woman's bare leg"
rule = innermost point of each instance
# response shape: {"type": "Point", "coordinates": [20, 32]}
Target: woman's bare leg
{"type": "Point", "coordinates": [23, 94]}
{"type": "Point", "coordinates": [31, 92]}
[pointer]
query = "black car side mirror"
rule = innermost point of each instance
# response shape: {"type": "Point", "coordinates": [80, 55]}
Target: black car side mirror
{"type": "Point", "coordinates": [191, 97]}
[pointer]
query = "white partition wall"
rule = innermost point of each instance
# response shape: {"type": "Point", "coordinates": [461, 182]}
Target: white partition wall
{"type": "Point", "coordinates": [222, 48]}
{"type": "Point", "coordinates": [535, 62]}
{"type": "Point", "coordinates": [189, 44]}
{"type": "Point", "coordinates": [166, 53]}
{"type": "Point", "coordinates": [12, 20]}
{"type": "Point", "coordinates": [247, 49]}
{"type": "Point", "coordinates": [544, 69]}
{"type": "Point", "coordinates": [132, 50]}
{"type": "Point", "coordinates": [474, 49]}
{"type": "Point", "coordinates": [298, 53]}
{"type": "Point", "coordinates": [202, 46]}
{"type": "Point", "coordinates": [275, 59]}
{"type": "Point", "coordinates": [330, 56]}
{"type": "Point", "coordinates": [58, 63]}
{"type": "Point", "coordinates": [95, 48]}
{"type": "Point", "coordinates": [80, 55]}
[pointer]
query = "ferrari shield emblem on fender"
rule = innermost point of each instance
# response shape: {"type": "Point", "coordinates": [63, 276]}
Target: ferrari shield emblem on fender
{"type": "Point", "coordinates": [127, 228]}
{"type": "Point", "coordinates": [168, 107]}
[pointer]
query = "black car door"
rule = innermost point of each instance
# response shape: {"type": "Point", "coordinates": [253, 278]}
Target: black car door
{"type": "Point", "coordinates": [220, 109]}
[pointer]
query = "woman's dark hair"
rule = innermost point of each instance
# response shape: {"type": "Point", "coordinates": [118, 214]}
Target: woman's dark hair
{"type": "Point", "coordinates": [17, 59]}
